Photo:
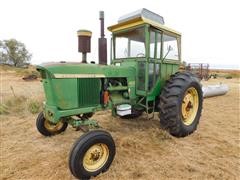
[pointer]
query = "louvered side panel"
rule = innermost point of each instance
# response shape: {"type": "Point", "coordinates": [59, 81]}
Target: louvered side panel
{"type": "Point", "coordinates": [89, 92]}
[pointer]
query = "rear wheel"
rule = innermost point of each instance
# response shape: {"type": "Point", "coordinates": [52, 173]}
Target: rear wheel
{"type": "Point", "coordinates": [92, 154]}
{"type": "Point", "coordinates": [47, 128]}
{"type": "Point", "coordinates": [181, 104]}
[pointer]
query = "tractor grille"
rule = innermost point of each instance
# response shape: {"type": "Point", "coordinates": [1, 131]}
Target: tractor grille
{"type": "Point", "coordinates": [89, 92]}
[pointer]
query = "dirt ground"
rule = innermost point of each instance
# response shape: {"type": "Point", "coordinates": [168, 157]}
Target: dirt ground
{"type": "Point", "coordinates": [144, 151]}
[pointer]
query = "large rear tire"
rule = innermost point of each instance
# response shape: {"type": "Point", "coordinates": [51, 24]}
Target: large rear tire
{"type": "Point", "coordinates": [181, 104]}
{"type": "Point", "coordinates": [92, 154]}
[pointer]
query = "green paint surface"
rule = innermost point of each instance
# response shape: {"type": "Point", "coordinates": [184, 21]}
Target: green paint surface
{"type": "Point", "coordinates": [76, 88]}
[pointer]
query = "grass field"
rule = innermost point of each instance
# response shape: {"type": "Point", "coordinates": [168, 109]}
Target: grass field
{"type": "Point", "coordinates": [144, 151]}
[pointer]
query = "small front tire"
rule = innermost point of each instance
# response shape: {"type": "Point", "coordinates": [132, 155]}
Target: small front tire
{"type": "Point", "coordinates": [92, 154]}
{"type": "Point", "coordinates": [47, 128]}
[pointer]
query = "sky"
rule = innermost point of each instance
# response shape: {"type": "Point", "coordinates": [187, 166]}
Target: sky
{"type": "Point", "coordinates": [210, 28]}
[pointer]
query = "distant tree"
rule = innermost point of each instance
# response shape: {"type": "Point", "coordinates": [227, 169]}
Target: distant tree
{"type": "Point", "coordinates": [3, 58]}
{"type": "Point", "coordinates": [14, 52]}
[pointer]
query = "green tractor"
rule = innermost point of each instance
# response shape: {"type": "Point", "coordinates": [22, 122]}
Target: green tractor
{"type": "Point", "coordinates": [143, 77]}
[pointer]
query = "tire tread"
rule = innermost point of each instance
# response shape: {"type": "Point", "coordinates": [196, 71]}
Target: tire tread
{"type": "Point", "coordinates": [170, 103]}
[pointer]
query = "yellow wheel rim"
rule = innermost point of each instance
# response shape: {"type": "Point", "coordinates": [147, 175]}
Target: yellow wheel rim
{"type": "Point", "coordinates": [53, 127]}
{"type": "Point", "coordinates": [190, 106]}
{"type": "Point", "coordinates": [95, 157]}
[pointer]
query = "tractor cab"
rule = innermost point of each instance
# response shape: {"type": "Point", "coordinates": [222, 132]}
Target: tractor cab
{"type": "Point", "coordinates": [141, 40]}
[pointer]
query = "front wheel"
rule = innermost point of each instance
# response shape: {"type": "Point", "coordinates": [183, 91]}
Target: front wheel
{"type": "Point", "coordinates": [92, 154]}
{"type": "Point", "coordinates": [181, 104]}
{"type": "Point", "coordinates": [47, 128]}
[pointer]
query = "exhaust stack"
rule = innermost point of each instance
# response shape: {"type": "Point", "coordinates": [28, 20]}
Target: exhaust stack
{"type": "Point", "coordinates": [102, 41]}
{"type": "Point", "coordinates": [84, 43]}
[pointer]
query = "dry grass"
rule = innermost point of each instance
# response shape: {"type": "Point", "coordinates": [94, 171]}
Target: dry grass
{"type": "Point", "coordinates": [20, 71]}
{"type": "Point", "coordinates": [144, 151]}
{"type": "Point", "coordinates": [226, 73]}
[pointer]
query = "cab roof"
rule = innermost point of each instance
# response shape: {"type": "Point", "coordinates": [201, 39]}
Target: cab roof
{"type": "Point", "coordinates": [140, 17]}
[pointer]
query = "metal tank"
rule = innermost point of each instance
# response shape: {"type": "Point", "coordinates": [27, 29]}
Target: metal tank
{"type": "Point", "coordinates": [214, 90]}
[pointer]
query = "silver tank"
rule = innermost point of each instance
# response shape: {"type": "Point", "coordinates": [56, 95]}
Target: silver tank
{"type": "Point", "coordinates": [214, 90]}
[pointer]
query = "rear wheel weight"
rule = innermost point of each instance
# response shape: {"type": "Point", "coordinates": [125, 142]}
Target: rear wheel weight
{"type": "Point", "coordinates": [91, 154]}
{"type": "Point", "coordinates": [181, 104]}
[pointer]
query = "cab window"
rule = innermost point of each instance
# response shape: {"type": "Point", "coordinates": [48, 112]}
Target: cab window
{"type": "Point", "coordinates": [155, 44]}
{"type": "Point", "coordinates": [170, 47]}
{"type": "Point", "coordinates": [130, 44]}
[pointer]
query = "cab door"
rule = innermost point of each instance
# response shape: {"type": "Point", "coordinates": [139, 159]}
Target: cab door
{"type": "Point", "coordinates": [149, 67]}
{"type": "Point", "coordinates": [154, 60]}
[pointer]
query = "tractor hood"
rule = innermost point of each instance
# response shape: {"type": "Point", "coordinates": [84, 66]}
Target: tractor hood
{"type": "Point", "coordinates": [80, 70]}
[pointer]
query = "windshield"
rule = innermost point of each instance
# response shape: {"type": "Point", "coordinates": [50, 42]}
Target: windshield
{"type": "Point", "coordinates": [130, 44]}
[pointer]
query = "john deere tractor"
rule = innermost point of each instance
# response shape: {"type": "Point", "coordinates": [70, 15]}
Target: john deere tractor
{"type": "Point", "coordinates": [143, 78]}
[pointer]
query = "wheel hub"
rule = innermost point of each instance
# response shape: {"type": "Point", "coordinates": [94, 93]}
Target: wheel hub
{"type": "Point", "coordinates": [189, 106]}
{"type": "Point", "coordinates": [95, 157]}
{"type": "Point", "coordinates": [53, 127]}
